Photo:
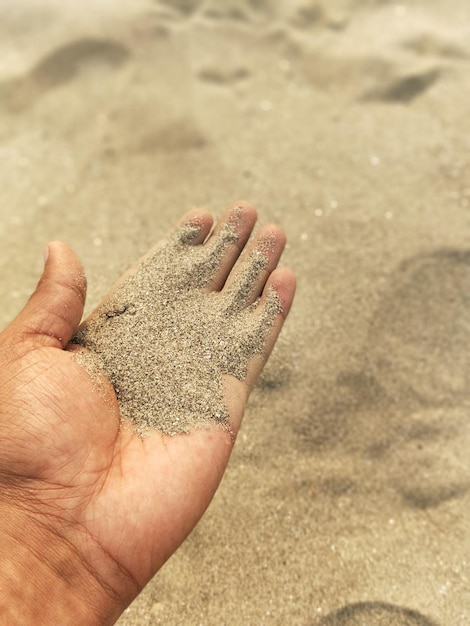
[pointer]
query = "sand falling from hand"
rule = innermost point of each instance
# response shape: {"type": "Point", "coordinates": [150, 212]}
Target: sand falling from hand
{"type": "Point", "coordinates": [166, 341]}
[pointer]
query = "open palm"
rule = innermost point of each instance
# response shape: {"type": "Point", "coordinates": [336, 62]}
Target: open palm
{"type": "Point", "coordinates": [101, 506]}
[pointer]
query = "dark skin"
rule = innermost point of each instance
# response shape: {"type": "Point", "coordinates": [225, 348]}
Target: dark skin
{"type": "Point", "coordinates": [89, 511]}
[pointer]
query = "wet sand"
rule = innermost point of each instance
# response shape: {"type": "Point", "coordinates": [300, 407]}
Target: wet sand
{"type": "Point", "coordinates": [347, 497]}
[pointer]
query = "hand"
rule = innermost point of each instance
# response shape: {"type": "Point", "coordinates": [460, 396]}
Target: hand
{"type": "Point", "coordinates": [89, 511]}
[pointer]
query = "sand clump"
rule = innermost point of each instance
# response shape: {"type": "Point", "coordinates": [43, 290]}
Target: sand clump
{"type": "Point", "coordinates": [165, 340]}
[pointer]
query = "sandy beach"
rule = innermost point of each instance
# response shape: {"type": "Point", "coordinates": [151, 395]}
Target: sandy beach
{"type": "Point", "coordinates": [347, 498]}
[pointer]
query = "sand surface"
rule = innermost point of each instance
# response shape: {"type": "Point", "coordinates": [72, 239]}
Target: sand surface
{"type": "Point", "coordinates": [347, 499]}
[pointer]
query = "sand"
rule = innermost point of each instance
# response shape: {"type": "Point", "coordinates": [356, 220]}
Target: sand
{"type": "Point", "coordinates": [166, 340]}
{"type": "Point", "coordinates": [346, 121]}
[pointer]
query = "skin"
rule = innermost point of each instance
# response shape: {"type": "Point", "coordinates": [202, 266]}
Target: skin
{"type": "Point", "coordinates": [89, 511]}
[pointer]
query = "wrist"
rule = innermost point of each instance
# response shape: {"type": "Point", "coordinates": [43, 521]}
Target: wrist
{"type": "Point", "coordinates": [46, 579]}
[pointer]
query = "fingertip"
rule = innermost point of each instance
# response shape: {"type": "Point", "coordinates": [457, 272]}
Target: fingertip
{"type": "Point", "coordinates": [272, 241]}
{"type": "Point", "coordinates": [54, 310]}
{"type": "Point", "coordinates": [200, 219]}
{"type": "Point", "coordinates": [62, 262]}
{"type": "Point", "coordinates": [284, 283]}
{"type": "Point", "coordinates": [244, 207]}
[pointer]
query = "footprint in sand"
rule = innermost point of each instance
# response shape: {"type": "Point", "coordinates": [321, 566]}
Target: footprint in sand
{"type": "Point", "coordinates": [418, 342]}
{"type": "Point", "coordinates": [406, 411]}
{"type": "Point", "coordinates": [425, 497]}
{"type": "Point", "coordinates": [419, 338]}
{"type": "Point", "coordinates": [307, 14]}
{"type": "Point", "coordinates": [427, 44]}
{"type": "Point", "coordinates": [375, 614]}
{"type": "Point", "coordinates": [231, 13]}
{"type": "Point", "coordinates": [403, 88]}
{"type": "Point", "coordinates": [224, 76]}
{"type": "Point", "coordinates": [427, 462]}
{"type": "Point", "coordinates": [57, 68]}
{"type": "Point", "coordinates": [184, 7]}
{"type": "Point", "coordinates": [237, 11]}
{"type": "Point", "coordinates": [301, 14]}
{"type": "Point", "coordinates": [418, 350]}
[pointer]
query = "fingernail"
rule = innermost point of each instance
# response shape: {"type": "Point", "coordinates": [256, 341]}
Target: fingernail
{"type": "Point", "coordinates": [46, 253]}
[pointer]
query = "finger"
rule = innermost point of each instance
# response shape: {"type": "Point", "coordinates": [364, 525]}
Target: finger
{"type": "Point", "coordinates": [228, 240]}
{"type": "Point", "coordinates": [282, 282]}
{"type": "Point", "coordinates": [247, 281]}
{"type": "Point", "coordinates": [53, 312]}
{"type": "Point", "coordinates": [193, 228]}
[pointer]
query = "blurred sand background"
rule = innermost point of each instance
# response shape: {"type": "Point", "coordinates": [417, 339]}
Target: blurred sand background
{"type": "Point", "coordinates": [347, 121]}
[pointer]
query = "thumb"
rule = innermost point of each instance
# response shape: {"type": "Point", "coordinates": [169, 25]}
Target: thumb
{"type": "Point", "coordinates": [54, 310]}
